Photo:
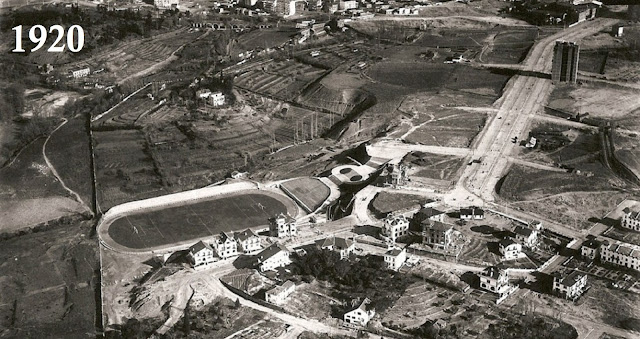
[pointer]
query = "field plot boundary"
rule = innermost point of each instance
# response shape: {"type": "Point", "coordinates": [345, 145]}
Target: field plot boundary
{"type": "Point", "coordinates": [174, 200]}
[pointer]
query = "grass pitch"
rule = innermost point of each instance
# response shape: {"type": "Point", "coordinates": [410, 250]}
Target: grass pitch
{"type": "Point", "coordinates": [311, 192]}
{"type": "Point", "coordinates": [199, 220]}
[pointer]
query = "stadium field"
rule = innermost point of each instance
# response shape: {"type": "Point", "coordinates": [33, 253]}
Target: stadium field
{"type": "Point", "coordinates": [311, 192]}
{"type": "Point", "coordinates": [198, 220]}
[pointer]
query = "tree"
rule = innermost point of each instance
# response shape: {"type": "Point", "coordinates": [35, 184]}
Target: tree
{"type": "Point", "coordinates": [237, 303]}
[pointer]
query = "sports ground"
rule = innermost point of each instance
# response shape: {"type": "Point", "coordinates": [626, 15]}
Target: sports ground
{"type": "Point", "coordinates": [198, 220]}
{"type": "Point", "coordinates": [310, 192]}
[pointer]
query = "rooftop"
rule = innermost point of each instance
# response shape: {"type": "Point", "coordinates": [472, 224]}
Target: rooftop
{"type": "Point", "coordinates": [199, 246]}
{"type": "Point", "coordinates": [492, 272]}
{"type": "Point", "coordinates": [244, 235]}
{"type": "Point", "coordinates": [430, 212]}
{"type": "Point", "coordinates": [631, 214]}
{"type": "Point", "coordinates": [570, 279]}
{"type": "Point", "coordinates": [506, 242]}
{"type": "Point", "coordinates": [591, 243]}
{"type": "Point", "coordinates": [394, 252]}
{"type": "Point", "coordinates": [336, 242]}
{"type": "Point", "coordinates": [440, 226]}
{"type": "Point", "coordinates": [523, 231]}
{"type": "Point", "coordinates": [270, 251]}
{"type": "Point", "coordinates": [623, 248]}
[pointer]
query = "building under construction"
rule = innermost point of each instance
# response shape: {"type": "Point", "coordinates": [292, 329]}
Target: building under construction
{"type": "Point", "coordinates": [565, 62]}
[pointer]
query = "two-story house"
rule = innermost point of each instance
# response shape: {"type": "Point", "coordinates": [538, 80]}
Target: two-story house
{"type": "Point", "coordinates": [225, 246]}
{"type": "Point", "coordinates": [526, 236]}
{"type": "Point", "coordinates": [283, 225]}
{"type": "Point", "coordinates": [509, 249]}
{"type": "Point", "coordinates": [630, 219]}
{"type": "Point", "coordinates": [201, 255]}
{"type": "Point", "coordinates": [272, 257]}
{"type": "Point", "coordinates": [394, 258]}
{"type": "Point", "coordinates": [248, 241]}
{"type": "Point", "coordinates": [342, 246]}
{"type": "Point", "coordinates": [437, 234]}
{"type": "Point", "coordinates": [590, 249]}
{"type": "Point", "coordinates": [428, 213]}
{"type": "Point", "coordinates": [360, 315]}
{"type": "Point", "coordinates": [279, 294]}
{"type": "Point", "coordinates": [395, 227]}
{"type": "Point", "coordinates": [495, 280]}
{"type": "Point", "coordinates": [569, 286]}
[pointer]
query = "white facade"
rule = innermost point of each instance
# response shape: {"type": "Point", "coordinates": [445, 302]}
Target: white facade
{"type": "Point", "coordinates": [395, 227]}
{"type": "Point", "coordinates": [630, 219]}
{"type": "Point", "coordinates": [526, 236]}
{"type": "Point", "coordinates": [359, 316]}
{"type": "Point", "coordinates": [472, 213]}
{"type": "Point", "coordinates": [621, 254]}
{"type": "Point", "coordinates": [590, 249]}
{"type": "Point", "coordinates": [80, 73]}
{"type": "Point", "coordinates": [166, 3]}
{"type": "Point", "coordinates": [348, 4]}
{"type": "Point", "coordinates": [248, 241]}
{"type": "Point", "coordinates": [570, 286]}
{"type": "Point", "coordinates": [279, 294]}
{"type": "Point", "coordinates": [225, 246]}
{"type": "Point", "coordinates": [340, 245]}
{"type": "Point", "coordinates": [283, 226]}
{"type": "Point", "coordinates": [273, 257]}
{"type": "Point", "coordinates": [201, 255]}
{"type": "Point", "coordinates": [509, 249]}
{"type": "Point", "coordinates": [495, 280]}
{"type": "Point", "coordinates": [394, 258]}
{"type": "Point", "coordinates": [216, 99]}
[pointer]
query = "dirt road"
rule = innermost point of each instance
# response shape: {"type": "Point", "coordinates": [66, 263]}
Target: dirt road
{"type": "Point", "coordinates": [523, 97]}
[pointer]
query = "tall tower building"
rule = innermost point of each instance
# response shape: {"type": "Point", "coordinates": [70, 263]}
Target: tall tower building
{"type": "Point", "coordinates": [565, 62]}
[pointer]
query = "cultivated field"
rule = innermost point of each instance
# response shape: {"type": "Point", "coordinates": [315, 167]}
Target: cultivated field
{"type": "Point", "coordinates": [69, 153]}
{"type": "Point", "coordinates": [48, 283]}
{"type": "Point", "coordinates": [124, 169]}
{"type": "Point", "coordinates": [30, 193]}
{"type": "Point", "coordinates": [310, 191]}
{"type": "Point", "coordinates": [199, 220]}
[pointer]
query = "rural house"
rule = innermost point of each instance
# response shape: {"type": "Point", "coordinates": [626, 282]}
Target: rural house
{"type": "Point", "coordinates": [630, 219]}
{"type": "Point", "coordinates": [590, 249]}
{"type": "Point", "coordinates": [201, 255]}
{"type": "Point", "coordinates": [360, 315]}
{"type": "Point", "coordinates": [283, 225]}
{"type": "Point", "coordinates": [509, 249]}
{"type": "Point", "coordinates": [526, 236]}
{"type": "Point", "coordinates": [429, 213]}
{"type": "Point", "coordinates": [394, 258]}
{"type": "Point", "coordinates": [472, 213]}
{"type": "Point", "coordinates": [437, 234]}
{"type": "Point", "coordinates": [495, 280]}
{"type": "Point", "coordinates": [272, 257]}
{"type": "Point", "coordinates": [621, 254]}
{"type": "Point", "coordinates": [570, 286]}
{"type": "Point", "coordinates": [80, 73]}
{"type": "Point", "coordinates": [279, 294]}
{"type": "Point", "coordinates": [342, 246]}
{"type": "Point", "coordinates": [248, 241]}
{"type": "Point", "coordinates": [225, 246]}
{"type": "Point", "coordinates": [395, 227]}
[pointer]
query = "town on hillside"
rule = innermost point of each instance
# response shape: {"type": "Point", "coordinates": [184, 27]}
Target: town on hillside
{"type": "Point", "coordinates": [320, 169]}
